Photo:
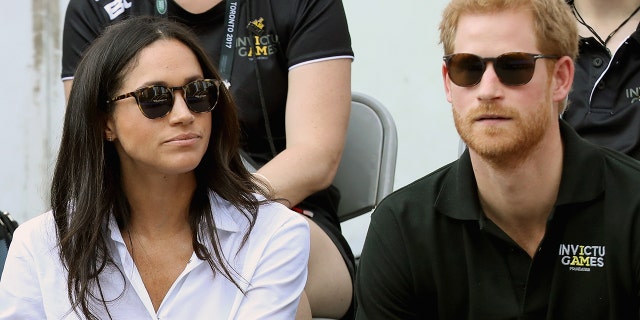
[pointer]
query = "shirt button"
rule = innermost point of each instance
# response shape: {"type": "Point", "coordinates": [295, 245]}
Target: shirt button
{"type": "Point", "coordinates": [600, 85]}
{"type": "Point", "coordinates": [597, 62]}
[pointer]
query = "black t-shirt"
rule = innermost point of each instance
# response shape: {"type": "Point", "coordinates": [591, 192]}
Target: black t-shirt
{"type": "Point", "coordinates": [430, 253]}
{"type": "Point", "coordinates": [295, 32]}
{"type": "Point", "coordinates": [604, 103]}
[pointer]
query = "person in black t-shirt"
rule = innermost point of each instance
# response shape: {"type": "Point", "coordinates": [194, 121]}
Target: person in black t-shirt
{"type": "Point", "coordinates": [532, 221]}
{"type": "Point", "coordinates": [288, 63]}
{"type": "Point", "coordinates": [604, 103]}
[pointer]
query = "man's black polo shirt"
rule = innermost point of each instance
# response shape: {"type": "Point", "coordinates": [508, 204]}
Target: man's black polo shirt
{"type": "Point", "coordinates": [431, 254]}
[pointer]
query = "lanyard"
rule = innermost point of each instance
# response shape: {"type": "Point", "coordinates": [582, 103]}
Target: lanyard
{"type": "Point", "coordinates": [228, 42]}
{"type": "Point", "coordinates": [227, 53]}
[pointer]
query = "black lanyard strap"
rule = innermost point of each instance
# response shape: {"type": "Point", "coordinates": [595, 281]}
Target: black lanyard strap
{"type": "Point", "coordinates": [227, 52]}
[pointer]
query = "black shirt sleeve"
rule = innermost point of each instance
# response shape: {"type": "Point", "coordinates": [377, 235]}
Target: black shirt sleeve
{"type": "Point", "coordinates": [384, 287]}
{"type": "Point", "coordinates": [84, 21]}
{"type": "Point", "coordinates": [320, 30]}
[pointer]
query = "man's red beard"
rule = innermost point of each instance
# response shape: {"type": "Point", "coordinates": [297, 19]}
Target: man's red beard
{"type": "Point", "coordinates": [503, 142]}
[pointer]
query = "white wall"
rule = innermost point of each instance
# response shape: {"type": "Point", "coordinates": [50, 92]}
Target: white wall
{"type": "Point", "coordinates": [32, 104]}
{"type": "Point", "coordinates": [397, 62]}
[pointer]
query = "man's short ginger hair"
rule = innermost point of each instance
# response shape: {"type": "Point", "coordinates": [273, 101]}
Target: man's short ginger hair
{"type": "Point", "coordinates": [554, 24]}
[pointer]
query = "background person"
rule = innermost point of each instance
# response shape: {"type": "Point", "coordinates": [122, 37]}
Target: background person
{"type": "Point", "coordinates": [604, 104]}
{"type": "Point", "coordinates": [289, 66]}
{"type": "Point", "coordinates": [532, 222]}
{"type": "Point", "coordinates": [153, 211]}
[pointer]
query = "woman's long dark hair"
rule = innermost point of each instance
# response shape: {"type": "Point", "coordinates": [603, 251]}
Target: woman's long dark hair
{"type": "Point", "coordinates": [86, 187]}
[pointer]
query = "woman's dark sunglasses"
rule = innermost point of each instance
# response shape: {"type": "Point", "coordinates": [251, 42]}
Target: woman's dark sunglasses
{"type": "Point", "coordinates": [157, 101]}
{"type": "Point", "coordinates": [513, 68]}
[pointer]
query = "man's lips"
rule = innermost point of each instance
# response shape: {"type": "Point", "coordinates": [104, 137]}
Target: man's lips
{"type": "Point", "coordinates": [491, 117]}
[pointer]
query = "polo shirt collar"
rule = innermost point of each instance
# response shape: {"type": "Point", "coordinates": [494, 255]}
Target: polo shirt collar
{"type": "Point", "coordinates": [582, 178]}
{"type": "Point", "coordinates": [636, 34]}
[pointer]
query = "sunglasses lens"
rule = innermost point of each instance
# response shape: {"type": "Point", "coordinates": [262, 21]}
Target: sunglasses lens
{"type": "Point", "coordinates": [201, 95]}
{"type": "Point", "coordinates": [515, 69]}
{"type": "Point", "coordinates": [465, 69]}
{"type": "Point", "coordinates": [155, 101]}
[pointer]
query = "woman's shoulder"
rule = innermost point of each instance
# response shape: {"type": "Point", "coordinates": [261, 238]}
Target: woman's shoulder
{"type": "Point", "coordinates": [272, 216]}
{"type": "Point", "coordinates": [39, 223]}
{"type": "Point", "coordinates": [278, 214]}
{"type": "Point", "coordinates": [38, 233]}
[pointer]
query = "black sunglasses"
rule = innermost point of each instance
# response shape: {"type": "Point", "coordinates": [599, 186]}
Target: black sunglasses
{"type": "Point", "coordinates": [157, 101]}
{"type": "Point", "coordinates": [512, 68]}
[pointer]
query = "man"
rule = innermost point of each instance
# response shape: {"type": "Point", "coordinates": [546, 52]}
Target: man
{"type": "Point", "coordinates": [532, 222]}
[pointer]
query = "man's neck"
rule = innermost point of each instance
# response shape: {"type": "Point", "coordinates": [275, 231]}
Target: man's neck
{"type": "Point", "coordinates": [519, 198]}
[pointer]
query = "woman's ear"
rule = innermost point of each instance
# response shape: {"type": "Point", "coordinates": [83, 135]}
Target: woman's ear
{"type": "Point", "coordinates": [109, 132]}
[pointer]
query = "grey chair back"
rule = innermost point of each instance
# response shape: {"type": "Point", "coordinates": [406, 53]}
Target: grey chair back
{"type": "Point", "coordinates": [367, 169]}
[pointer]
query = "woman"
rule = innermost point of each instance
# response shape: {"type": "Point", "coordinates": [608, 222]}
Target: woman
{"type": "Point", "coordinates": [289, 66]}
{"type": "Point", "coordinates": [153, 213]}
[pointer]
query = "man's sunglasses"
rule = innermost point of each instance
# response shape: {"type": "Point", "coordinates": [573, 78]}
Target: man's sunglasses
{"type": "Point", "coordinates": [512, 68]}
{"type": "Point", "coordinates": [157, 101]}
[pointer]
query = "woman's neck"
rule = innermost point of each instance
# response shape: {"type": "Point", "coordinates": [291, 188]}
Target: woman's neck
{"type": "Point", "coordinates": [158, 202]}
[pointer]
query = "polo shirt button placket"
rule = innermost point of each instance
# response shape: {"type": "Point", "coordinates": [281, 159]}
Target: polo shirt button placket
{"type": "Point", "coordinates": [597, 62]}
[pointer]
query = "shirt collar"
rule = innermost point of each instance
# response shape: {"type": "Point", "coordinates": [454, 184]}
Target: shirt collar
{"type": "Point", "coordinates": [582, 178]}
{"type": "Point", "coordinates": [636, 34]}
{"type": "Point", "coordinates": [225, 215]}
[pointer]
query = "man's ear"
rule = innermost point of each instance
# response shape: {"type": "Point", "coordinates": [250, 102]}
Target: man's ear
{"type": "Point", "coordinates": [562, 79]}
{"type": "Point", "coordinates": [447, 81]}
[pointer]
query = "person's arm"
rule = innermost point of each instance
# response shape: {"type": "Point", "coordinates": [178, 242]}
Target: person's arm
{"type": "Point", "coordinates": [67, 88]}
{"type": "Point", "coordinates": [83, 22]}
{"type": "Point", "coordinates": [20, 295]}
{"type": "Point", "coordinates": [384, 288]}
{"type": "Point", "coordinates": [281, 273]}
{"type": "Point", "coordinates": [317, 116]}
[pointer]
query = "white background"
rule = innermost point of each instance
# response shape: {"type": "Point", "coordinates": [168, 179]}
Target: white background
{"type": "Point", "coordinates": [398, 61]}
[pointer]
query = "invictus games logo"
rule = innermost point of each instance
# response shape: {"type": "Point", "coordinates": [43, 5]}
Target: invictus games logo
{"type": "Point", "coordinates": [580, 257]}
{"type": "Point", "coordinates": [259, 43]}
{"type": "Point", "coordinates": [633, 94]}
{"type": "Point", "coordinates": [257, 46]}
